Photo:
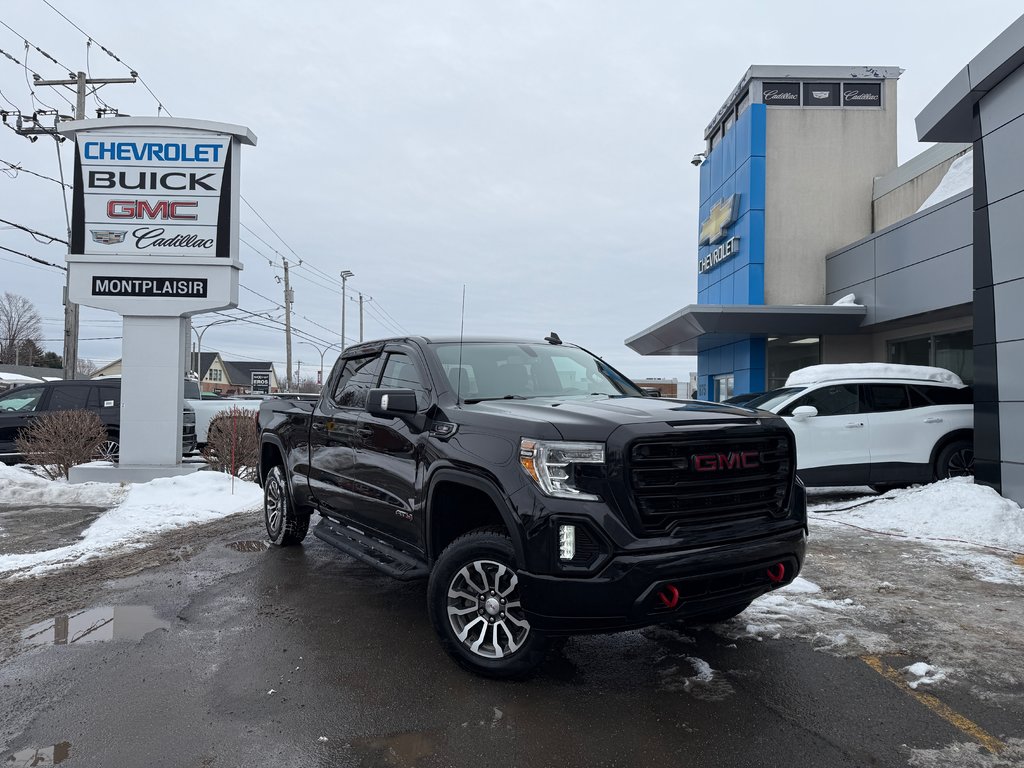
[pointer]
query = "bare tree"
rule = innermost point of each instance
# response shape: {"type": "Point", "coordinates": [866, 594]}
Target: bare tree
{"type": "Point", "coordinates": [86, 367]}
{"type": "Point", "coordinates": [19, 323]}
{"type": "Point", "coordinates": [307, 384]}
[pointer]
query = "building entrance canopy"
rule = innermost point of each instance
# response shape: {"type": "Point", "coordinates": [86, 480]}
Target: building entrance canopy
{"type": "Point", "coordinates": [714, 324]}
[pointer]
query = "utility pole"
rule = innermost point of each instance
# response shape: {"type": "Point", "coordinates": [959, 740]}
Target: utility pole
{"type": "Point", "coordinates": [70, 309]}
{"type": "Point", "coordinates": [289, 297]}
{"type": "Point", "coordinates": [360, 318]}
{"type": "Point", "coordinates": [345, 275]}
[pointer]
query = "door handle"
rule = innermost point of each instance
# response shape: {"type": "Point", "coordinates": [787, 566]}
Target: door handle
{"type": "Point", "coordinates": [933, 420]}
{"type": "Point", "coordinates": [853, 425]}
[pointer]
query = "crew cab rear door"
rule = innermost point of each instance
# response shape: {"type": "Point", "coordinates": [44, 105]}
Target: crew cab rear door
{"type": "Point", "coordinates": [388, 455]}
{"type": "Point", "coordinates": [332, 436]}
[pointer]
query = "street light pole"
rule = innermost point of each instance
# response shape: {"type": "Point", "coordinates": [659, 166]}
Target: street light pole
{"type": "Point", "coordinates": [199, 343]}
{"type": "Point", "coordinates": [322, 352]}
{"type": "Point", "coordinates": [345, 275]}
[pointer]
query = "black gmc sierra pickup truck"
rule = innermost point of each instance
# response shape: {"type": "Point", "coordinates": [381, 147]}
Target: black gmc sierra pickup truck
{"type": "Point", "coordinates": [538, 488]}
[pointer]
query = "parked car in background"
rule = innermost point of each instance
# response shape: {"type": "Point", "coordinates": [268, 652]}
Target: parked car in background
{"type": "Point", "coordinates": [103, 396]}
{"type": "Point", "coordinates": [876, 424]}
{"type": "Point", "coordinates": [206, 408]}
{"type": "Point", "coordinates": [742, 399]}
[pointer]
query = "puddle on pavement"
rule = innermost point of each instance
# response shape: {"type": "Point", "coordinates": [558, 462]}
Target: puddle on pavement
{"type": "Point", "coordinates": [96, 625]}
{"type": "Point", "coordinates": [249, 546]}
{"type": "Point", "coordinates": [402, 750]}
{"type": "Point", "coordinates": [38, 758]}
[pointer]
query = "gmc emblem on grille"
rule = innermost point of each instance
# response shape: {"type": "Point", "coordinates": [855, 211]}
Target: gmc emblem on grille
{"type": "Point", "coordinates": [718, 462]}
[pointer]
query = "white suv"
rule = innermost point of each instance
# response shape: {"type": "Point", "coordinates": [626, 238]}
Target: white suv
{"type": "Point", "coordinates": [876, 424]}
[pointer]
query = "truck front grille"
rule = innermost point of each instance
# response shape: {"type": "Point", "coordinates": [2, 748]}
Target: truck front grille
{"type": "Point", "coordinates": [696, 481]}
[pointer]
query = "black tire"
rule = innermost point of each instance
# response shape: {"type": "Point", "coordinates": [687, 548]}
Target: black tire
{"type": "Point", "coordinates": [284, 525]}
{"type": "Point", "coordinates": [716, 616]}
{"type": "Point", "coordinates": [955, 460]}
{"type": "Point", "coordinates": [457, 606]}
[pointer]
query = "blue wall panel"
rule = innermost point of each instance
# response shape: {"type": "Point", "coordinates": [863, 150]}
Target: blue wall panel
{"type": "Point", "coordinates": [736, 166]}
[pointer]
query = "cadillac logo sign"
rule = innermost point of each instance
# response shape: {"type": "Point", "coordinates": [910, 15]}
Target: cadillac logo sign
{"type": "Point", "coordinates": [723, 214]}
{"type": "Point", "coordinates": [108, 236]}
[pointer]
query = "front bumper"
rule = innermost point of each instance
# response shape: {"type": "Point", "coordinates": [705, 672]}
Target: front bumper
{"type": "Point", "coordinates": [636, 590]}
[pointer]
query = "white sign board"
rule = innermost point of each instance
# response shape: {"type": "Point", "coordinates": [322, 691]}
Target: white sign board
{"type": "Point", "coordinates": [152, 193]}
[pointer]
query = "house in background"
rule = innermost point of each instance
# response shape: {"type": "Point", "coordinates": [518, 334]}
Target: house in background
{"type": "Point", "coordinates": [222, 377]}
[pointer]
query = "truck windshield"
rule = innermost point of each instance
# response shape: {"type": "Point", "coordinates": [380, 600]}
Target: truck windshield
{"type": "Point", "coordinates": [494, 370]}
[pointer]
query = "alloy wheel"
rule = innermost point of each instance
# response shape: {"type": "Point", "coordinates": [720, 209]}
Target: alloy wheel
{"type": "Point", "coordinates": [485, 611]}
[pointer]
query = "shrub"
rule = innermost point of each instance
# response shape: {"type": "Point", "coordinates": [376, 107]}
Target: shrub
{"type": "Point", "coordinates": [233, 443]}
{"type": "Point", "coordinates": [60, 440]}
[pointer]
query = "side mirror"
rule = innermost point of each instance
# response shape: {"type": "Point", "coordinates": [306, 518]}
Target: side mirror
{"type": "Point", "coordinates": [804, 412]}
{"type": "Point", "coordinates": [390, 402]}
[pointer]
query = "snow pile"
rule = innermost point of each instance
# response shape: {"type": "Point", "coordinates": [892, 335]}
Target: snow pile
{"type": "Point", "coordinates": [951, 511]}
{"type": "Point", "coordinates": [959, 178]}
{"type": "Point", "coordinates": [849, 300]}
{"type": "Point", "coordinates": [20, 485]}
{"type": "Point", "coordinates": [923, 674]}
{"type": "Point", "coordinates": [147, 509]}
{"type": "Point", "coordinates": [829, 372]}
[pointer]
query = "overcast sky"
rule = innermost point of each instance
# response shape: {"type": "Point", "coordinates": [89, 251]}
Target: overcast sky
{"type": "Point", "coordinates": [536, 151]}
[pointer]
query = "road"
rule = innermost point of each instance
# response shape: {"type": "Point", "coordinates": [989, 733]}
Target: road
{"type": "Point", "coordinates": [208, 649]}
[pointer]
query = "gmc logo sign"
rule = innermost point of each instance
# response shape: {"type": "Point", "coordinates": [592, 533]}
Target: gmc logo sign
{"type": "Point", "coordinates": [143, 209]}
{"type": "Point", "coordinates": [719, 462]}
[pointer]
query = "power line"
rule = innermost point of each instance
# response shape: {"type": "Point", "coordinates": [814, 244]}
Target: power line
{"type": "Point", "coordinates": [19, 35]}
{"type": "Point", "coordinates": [19, 169]}
{"type": "Point", "coordinates": [159, 104]}
{"type": "Point", "coordinates": [36, 233]}
{"type": "Point", "coordinates": [33, 258]}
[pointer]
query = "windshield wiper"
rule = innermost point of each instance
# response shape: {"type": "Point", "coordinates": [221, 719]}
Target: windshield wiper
{"type": "Point", "coordinates": [471, 400]}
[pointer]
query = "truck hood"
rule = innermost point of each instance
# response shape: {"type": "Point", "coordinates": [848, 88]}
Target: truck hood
{"type": "Point", "coordinates": [594, 419]}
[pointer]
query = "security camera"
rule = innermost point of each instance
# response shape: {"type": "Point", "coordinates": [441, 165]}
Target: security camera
{"type": "Point", "coordinates": [698, 158]}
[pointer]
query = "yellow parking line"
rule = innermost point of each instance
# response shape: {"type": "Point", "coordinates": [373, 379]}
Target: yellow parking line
{"type": "Point", "coordinates": [969, 727]}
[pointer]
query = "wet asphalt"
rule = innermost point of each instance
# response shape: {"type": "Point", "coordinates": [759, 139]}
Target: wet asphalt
{"type": "Point", "coordinates": [242, 655]}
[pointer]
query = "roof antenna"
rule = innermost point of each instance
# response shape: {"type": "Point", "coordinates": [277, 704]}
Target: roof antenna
{"type": "Point", "coordinates": [553, 338]}
{"type": "Point", "coordinates": [462, 333]}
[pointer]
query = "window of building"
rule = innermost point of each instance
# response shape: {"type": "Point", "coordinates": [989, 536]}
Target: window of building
{"type": "Point", "coordinates": [952, 351]}
{"type": "Point", "coordinates": [786, 354]}
{"type": "Point", "coordinates": [724, 386]}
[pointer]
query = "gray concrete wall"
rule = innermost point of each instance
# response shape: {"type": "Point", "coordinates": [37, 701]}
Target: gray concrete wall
{"type": "Point", "coordinates": [820, 167]}
{"type": "Point", "coordinates": [906, 199]}
{"type": "Point", "coordinates": [922, 264]}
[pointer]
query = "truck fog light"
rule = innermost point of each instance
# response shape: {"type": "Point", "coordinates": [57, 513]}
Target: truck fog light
{"type": "Point", "coordinates": [566, 542]}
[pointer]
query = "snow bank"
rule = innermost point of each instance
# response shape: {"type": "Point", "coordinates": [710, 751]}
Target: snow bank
{"type": "Point", "coordinates": [147, 509]}
{"type": "Point", "coordinates": [20, 485]}
{"type": "Point", "coordinates": [815, 373]}
{"type": "Point", "coordinates": [849, 300]}
{"type": "Point", "coordinates": [959, 178]}
{"type": "Point", "coordinates": [954, 509]}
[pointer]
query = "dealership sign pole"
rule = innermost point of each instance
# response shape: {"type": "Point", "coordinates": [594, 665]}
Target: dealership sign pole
{"type": "Point", "coordinates": [154, 237]}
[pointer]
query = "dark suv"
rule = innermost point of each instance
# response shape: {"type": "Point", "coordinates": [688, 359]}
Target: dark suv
{"type": "Point", "coordinates": [20, 405]}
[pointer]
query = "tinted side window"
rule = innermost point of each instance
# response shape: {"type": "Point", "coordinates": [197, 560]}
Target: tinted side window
{"type": "Point", "coordinates": [357, 378]}
{"type": "Point", "coordinates": [927, 394]}
{"type": "Point", "coordinates": [400, 373]}
{"type": "Point", "coordinates": [830, 400]}
{"type": "Point", "coordinates": [69, 398]}
{"type": "Point", "coordinates": [881, 398]}
{"type": "Point", "coordinates": [22, 399]}
{"type": "Point", "coordinates": [110, 397]}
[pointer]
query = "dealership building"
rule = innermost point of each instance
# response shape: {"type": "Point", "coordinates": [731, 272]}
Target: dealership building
{"type": "Point", "coordinates": [814, 246]}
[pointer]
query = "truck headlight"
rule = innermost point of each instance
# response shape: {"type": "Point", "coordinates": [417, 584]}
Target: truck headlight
{"type": "Point", "coordinates": [550, 463]}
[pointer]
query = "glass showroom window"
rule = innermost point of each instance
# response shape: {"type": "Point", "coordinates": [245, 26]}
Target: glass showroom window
{"type": "Point", "coordinates": [724, 387]}
{"type": "Point", "coordinates": [953, 351]}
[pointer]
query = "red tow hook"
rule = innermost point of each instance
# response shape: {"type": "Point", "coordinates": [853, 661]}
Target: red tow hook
{"type": "Point", "coordinates": [776, 573]}
{"type": "Point", "coordinates": [669, 596]}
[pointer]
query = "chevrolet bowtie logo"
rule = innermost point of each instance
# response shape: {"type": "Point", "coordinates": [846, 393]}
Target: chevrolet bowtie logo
{"type": "Point", "coordinates": [723, 213]}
